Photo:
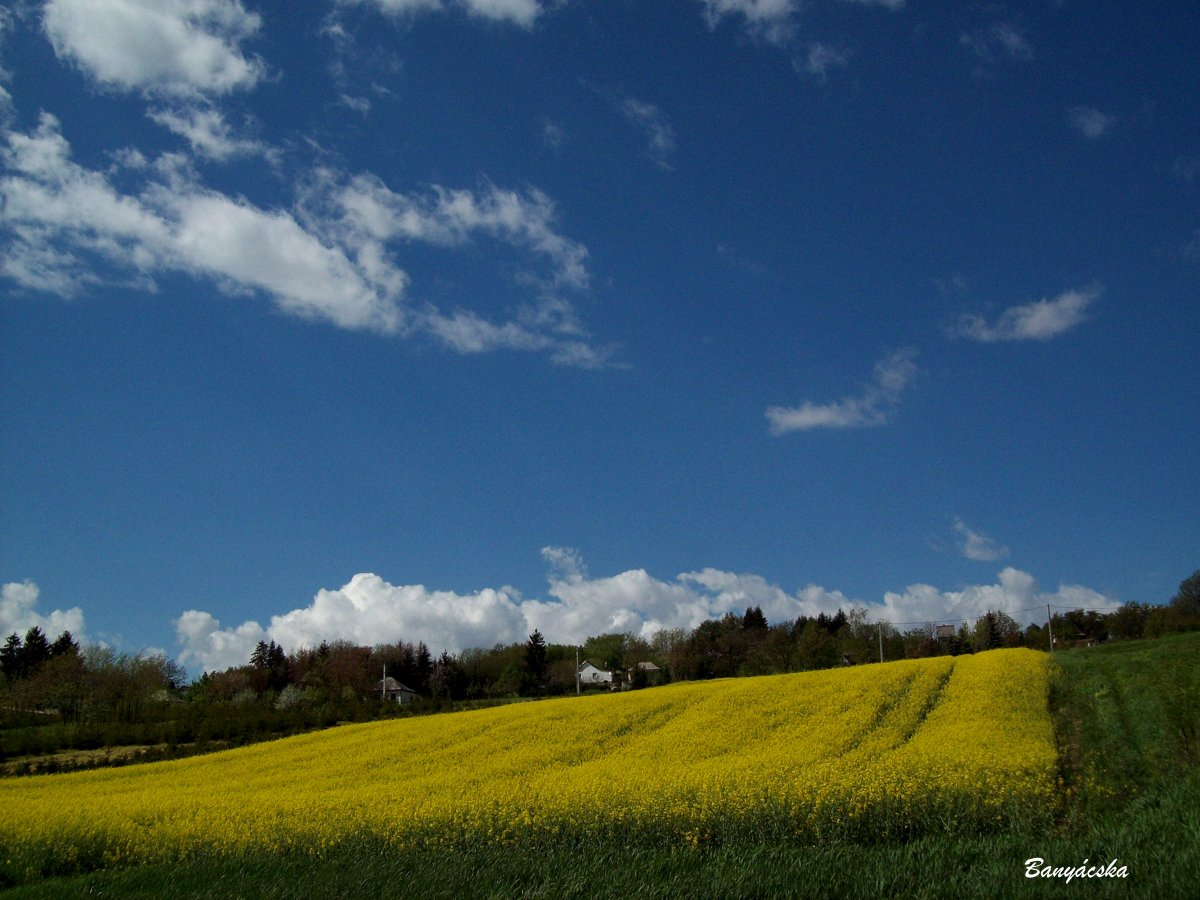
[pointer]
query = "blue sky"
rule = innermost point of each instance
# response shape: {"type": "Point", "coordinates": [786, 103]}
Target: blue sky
{"type": "Point", "coordinates": [449, 319]}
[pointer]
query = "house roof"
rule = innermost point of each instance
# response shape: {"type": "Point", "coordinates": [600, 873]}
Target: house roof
{"type": "Point", "coordinates": [391, 685]}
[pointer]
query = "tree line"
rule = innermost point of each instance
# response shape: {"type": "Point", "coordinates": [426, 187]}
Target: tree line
{"type": "Point", "coordinates": [56, 696]}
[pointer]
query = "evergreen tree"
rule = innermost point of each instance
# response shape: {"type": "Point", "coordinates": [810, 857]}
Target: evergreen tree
{"type": "Point", "coordinates": [64, 645]}
{"type": "Point", "coordinates": [259, 659]}
{"type": "Point", "coordinates": [447, 680]}
{"type": "Point", "coordinates": [423, 669]}
{"type": "Point", "coordinates": [10, 657]}
{"type": "Point", "coordinates": [535, 659]}
{"type": "Point", "coordinates": [35, 651]}
{"type": "Point", "coordinates": [754, 620]}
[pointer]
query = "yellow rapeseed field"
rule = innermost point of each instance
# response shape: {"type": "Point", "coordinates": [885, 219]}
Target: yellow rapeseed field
{"type": "Point", "coordinates": [923, 746]}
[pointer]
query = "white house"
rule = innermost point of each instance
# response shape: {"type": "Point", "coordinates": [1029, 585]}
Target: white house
{"type": "Point", "coordinates": [391, 689]}
{"type": "Point", "coordinates": [589, 674]}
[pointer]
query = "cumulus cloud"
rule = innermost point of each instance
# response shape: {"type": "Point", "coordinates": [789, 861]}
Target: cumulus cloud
{"type": "Point", "coordinates": [19, 613]}
{"type": "Point", "coordinates": [892, 375]}
{"type": "Point", "coordinates": [330, 258]}
{"type": "Point", "coordinates": [769, 19]}
{"type": "Point", "coordinates": [976, 546]}
{"type": "Point", "coordinates": [517, 12]}
{"type": "Point", "coordinates": [1016, 593]}
{"type": "Point", "coordinates": [159, 47]}
{"type": "Point", "coordinates": [369, 610]}
{"type": "Point", "coordinates": [1038, 321]}
{"type": "Point", "coordinates": [1091, 122]}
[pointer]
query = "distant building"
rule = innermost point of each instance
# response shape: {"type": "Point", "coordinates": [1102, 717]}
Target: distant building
{"type": "Point", "coordinates": [589, 674]}
{"type": "Point", "coordinates": [390, 689]}
{"type": "Point", "coordinates": [945, 632]}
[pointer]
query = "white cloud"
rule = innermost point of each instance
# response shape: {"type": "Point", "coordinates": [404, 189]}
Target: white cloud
{"type": "Point", "coordinates": [1039, 321]}
{"type": "Point", "coordinates": [368, 610]}
{"type": "Point", "coordinates": [892, 375]}
{"type": "Point", "coordinates": [659, 134]}
{"type": "Point", "coordinates": [6, 24]}
{"type": "Point", "coordinates": [518, 12]}
{"type": "Point", "coordinates": [553, 136]}
{"type": "Point", "coordinates": [160, 47]}
{"type": "Point", "coordinates": [18, 613]}
{"type": "Point", "coordinates": [1016, 594]}
{"type": "Point", "coordinates": [999, 42]}
{"type": "Point", "coordinates": [887, 4]}
{"type": "Point", "coordinates": [821, 59]}
{"type": "Point", "coordinates": [331, 258]}
{"type": "Point", "coordinates": [1091, 122]}
{"type": "Point", "coordinates": [976, 546]}
{"type": "Point", "coordinates": [209, 135]}
{"type": "Point", "coordinates": [770, 19]}
{"type": "Point", "coordinates": [369, 209]}
{"type": "Point", "coordinates": [62, 215]}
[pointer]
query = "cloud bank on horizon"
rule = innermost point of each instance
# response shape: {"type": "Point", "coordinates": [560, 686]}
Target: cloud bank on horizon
{"type": "Point", "coordinates": [369, 610]}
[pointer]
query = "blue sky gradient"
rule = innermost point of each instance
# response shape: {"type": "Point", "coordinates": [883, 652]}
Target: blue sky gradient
{"type": "Point", "coordinates": [386, 319]}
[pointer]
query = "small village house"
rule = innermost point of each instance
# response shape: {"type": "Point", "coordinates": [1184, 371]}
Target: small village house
{"type": "Point", "coordinates": [390, 689]}
{"type": "Point", "coordinates": [589, 674]}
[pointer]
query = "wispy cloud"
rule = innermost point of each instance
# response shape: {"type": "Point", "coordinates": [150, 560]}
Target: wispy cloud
{"type": "Point", "coordinates": [365, 209]}
{"type": "Point", "coordinates": [977, 546]}
{"type": "Point", "coordinates": [518, 12]}
{"type": "Point", "coordinates": [886, 4]}
{"type": "Point", "coordinates": [997, 43]}
{"type": "Point", "coordinates": [208, 134]}
{"type": "Point", "coordinates": [331, 257]}
{"type": "Point", "coordinates": [172, 48]}
{"type": "Point", "coordinates": [651, 120]}
{"type": "Point", "coordinates": [553, 136]}
{"type": "Point", "coordinates": [772, 20]}
{"type": "Point", "coordinates": [892, 375]}
{"type": "Point", "coordinates": [821, 59]}
{"type": "Point", "coordinates": [1037, 321]}
{"type": "Point", "coordinates": [1090, 122]}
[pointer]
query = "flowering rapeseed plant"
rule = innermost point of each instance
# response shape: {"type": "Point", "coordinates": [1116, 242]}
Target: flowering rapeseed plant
{"type": "Point", "coordinates": [921, 746]}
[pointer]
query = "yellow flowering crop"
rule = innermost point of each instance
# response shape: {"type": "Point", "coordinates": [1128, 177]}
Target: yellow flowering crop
{"type": "Point", "coordinates": [920, 746]}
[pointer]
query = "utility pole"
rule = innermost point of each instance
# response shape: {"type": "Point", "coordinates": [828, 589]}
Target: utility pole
{"type": "Point", "coordinates": [577, 689]}
{"type": "Point", "coordinates": [880, 624]}
{"type": "Point", "coordinates": [1050, 627]}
